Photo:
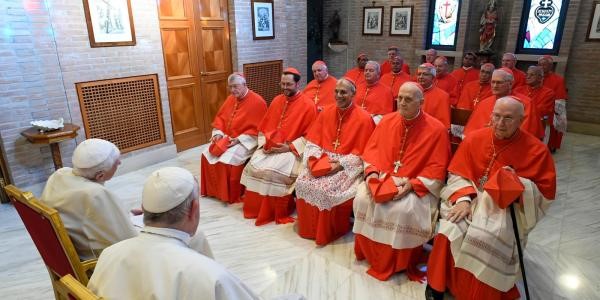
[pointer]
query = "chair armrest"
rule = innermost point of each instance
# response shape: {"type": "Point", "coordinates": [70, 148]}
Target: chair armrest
{"type": "Point", "coordinates": [89, 264]}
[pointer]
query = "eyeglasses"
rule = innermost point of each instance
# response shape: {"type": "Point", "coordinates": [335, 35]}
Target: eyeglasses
{"type": "Point", "coordinates": [499, 119]}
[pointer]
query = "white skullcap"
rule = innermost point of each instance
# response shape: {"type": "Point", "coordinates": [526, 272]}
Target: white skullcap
{"type": "Point", "coordinates": [92, 152]}
{"type": "Point", "coordinates": [166, 188]}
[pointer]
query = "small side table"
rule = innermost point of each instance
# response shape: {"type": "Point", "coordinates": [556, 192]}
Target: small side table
{"type": "Point", "coordinates": [52, 138]}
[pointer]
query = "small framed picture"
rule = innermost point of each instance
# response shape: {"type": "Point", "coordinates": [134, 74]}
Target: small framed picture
{"type": "Point", "coordinates": [263, 21]}
{"type": "Point", "coordinates": [373, 20]}
{"type": "Point", "coordinates": [594, 27]}
{"type": "Point", "coordinates": [401, 20]}
{"type": "Point", "coordinates": [109, 23]}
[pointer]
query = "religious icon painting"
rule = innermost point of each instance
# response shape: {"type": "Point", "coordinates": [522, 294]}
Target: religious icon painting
{"type": "Point", "coordinates": [373, 20]}
{"type": "Point", "coordinates": [542, 25]}
{"type": "Point", "coordinates": [263, 21]}
{"type": "Point", "coordinates": [594, 27]}
{"type": "Point", "coordinates": [401, 20]}
{"type": "Point", "coordinates": [443, 24]}
{"type": "Point", "coordinates": [109, 23]}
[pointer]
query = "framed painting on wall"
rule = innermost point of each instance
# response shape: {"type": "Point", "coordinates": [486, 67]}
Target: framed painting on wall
{"type": "Point", "coordinates": [593, 33]}
{"type": "Point", "coordinates": [109, 23]}
{"type": "Point", "coordinates": [263, 21]}
{"type": "Point", "coordinates": [401, 20]}
{"type": "Point", "coordinates": [373, 20]}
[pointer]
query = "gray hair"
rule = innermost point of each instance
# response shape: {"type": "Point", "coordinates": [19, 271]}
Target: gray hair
{"type": "Point", "coordinates": [349, 83]}
{"type": "Point", "coordinates": [175, 214]}
{"type": "Point", "coordinates": [539, 70]}
{"type": "Point", "coordinates": [431, 68]}
{"type": "Point", "coordinates": [107, 164]}
{"type": "Point", "coordinates": [236, 77]}
{"type": "Point", "coordinates": [512, 55]}
{"type": "Point", "coordinates": [375, 64]}
{"type": "Point", "coordinates": [507, 76]}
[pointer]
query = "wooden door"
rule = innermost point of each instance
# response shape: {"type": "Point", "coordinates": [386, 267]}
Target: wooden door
{"type": "Point", "coordinates": [195, 39]}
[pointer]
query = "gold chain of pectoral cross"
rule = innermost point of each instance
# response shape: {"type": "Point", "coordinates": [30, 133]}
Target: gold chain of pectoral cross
{"type": "Point", "coordinates": [364, 99]}
{"type": "Point", "coordinates": [486, 172]}
{"type": "Point", "coordinates": [235, 107]}
{"type": "Point", "coordinates": [398, 163]}
{"type": "Point", "coordinates": [285, 105]}
{"type": "Point", "coordinates": [316, 99]}
{"type": "Point", "coordinates": [337, 143]}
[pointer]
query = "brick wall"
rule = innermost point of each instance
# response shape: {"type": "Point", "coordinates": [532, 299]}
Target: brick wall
{"type": "Point", "coordinates": [289, 44]}
{"type": "Point", "coordinates": [582, 70]}
{"type": "Point", "coordinates": [44, 52]}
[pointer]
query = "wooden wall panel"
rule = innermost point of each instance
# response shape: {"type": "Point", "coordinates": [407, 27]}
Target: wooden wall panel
{"type": "Point", "coordinates": [182, 101]}
{"type": "Point", "coordinates": [176, 52]}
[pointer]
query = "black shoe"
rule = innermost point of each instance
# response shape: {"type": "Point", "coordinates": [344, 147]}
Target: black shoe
{"type": "Point", "coordinates": [431, 294]}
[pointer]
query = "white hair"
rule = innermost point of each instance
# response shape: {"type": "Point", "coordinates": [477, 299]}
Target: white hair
{"type": "Point", "coordinates": [349, 83]}
{"type": "Point", "coordinates": [375, 64]}
{"type": "Point", "coordinates": [235, 77]}
{"type": "Point", "coordinates": [431, 69]}
{"type": "Point", "coordinates": [507, 76]}
{"type": "Point", "coordinates": [107, 164]}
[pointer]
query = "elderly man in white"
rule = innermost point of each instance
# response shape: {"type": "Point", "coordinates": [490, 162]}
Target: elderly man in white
{"type": "Point", "coordinates": [159, 263]}
{"type": "Point", "coordinates": [94, 217]}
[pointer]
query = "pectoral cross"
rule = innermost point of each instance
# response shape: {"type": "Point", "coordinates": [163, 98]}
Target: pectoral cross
{"type": "Point", "coordinates": [397, 165]}
{"type": "Point", "coordinates": [336, 144]}
{"type": "Point", "coordinates": [446, 12]}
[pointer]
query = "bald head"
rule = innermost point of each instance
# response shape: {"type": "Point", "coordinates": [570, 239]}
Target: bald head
{"type": "Point", "coordinates": [509, 60]}
{"type": "Point", "coordinates": [410, 99]}
{"type": "Point", "coordinates": [319, 69]}
{"type": "Point", "coordinates": [441, 65]}
{"type": "Point", "coordinates": [430, 55]}
{"type": "Point", "coordinates": [397, 63]}
{"type": "Point", "coordinates": [507, 117]}
{"type": "Point", "coordinates": [546, 63]}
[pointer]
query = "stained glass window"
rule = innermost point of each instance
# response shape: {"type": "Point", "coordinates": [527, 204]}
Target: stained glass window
{"type": "Point", "coordinates": [443, 24]}
{"type": "Point", "coordinates": [542, 25]}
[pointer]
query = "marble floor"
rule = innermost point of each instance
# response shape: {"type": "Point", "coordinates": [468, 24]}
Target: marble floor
{"type": "Point", "coordinates": [562, 255]}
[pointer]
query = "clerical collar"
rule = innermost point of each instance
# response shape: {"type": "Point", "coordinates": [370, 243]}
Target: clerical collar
{"type": "Point", "coordinates": [184, 237]}
{"type": "Point", "coordinates": [397, 73]}
{"type": "Point", "coordinates": [466, 69]}
{"type": "Point", "coordinates": [503, 142]}
{"type": "Point", "coordinates": [410, 122]}
{"type": "Point", "coordinates": [244, 96]}
{"type": "Point", "coordinates": [373, 84]}
{"type": "Point", "coordinates": [294, 97]}
{"type": "Point", "coordinates": [347, 107]}
{"type": "Point", "coordinates": [425, 89]}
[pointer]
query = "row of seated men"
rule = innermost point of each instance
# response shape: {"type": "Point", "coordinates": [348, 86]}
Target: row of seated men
{"type": "Point", "coordinates": [389, 169]}
{"type": "Point", "coordinates": [338, 163]}
{"type": "Point", "coordinates": [466, 86]}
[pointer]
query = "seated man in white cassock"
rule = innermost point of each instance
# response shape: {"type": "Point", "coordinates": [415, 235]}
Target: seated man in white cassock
{"type": "Point", "coordinates": [396, 207]}
{"type": "Point", "coordinates": [159, 263]}
{"type": "Point", "coordinates": [333, 167]}
{"type": "Point", "coordinates": [94, 217]}
{"type": "Point", "coordinates": [234, 139]}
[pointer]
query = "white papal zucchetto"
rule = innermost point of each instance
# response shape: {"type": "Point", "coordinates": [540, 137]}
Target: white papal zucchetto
{"type": "Point", "coordinates": [166, 188]}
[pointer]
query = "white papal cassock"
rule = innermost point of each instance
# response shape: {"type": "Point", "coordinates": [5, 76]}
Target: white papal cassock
{"type": "Point", "coordinates": [159, 264]}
